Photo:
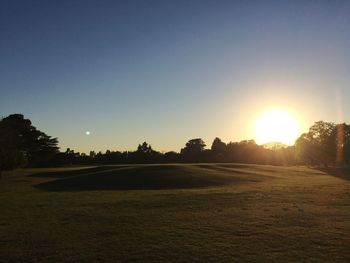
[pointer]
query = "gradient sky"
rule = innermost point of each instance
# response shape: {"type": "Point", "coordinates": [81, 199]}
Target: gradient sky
{"type": "Point", "coordinates": [168, 71]}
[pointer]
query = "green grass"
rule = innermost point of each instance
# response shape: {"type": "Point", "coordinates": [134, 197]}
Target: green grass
{"type": "Point", "coordinates": [175, 213]}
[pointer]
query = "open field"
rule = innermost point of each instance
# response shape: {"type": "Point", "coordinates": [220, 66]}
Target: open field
{"type": "Point", "coordinates": [175, 213]}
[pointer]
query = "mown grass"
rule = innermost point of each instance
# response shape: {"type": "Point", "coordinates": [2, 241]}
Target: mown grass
{"type": "Point", "coordinates": [175, 213]}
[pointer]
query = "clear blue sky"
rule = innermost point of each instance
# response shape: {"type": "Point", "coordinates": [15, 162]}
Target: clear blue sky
{"type": "Point", "coordinates": [168, 71]}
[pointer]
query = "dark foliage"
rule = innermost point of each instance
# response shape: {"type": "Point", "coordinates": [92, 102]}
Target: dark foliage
{"type": "Point", "coordinates": [21, 143]}
{"type": "Point", "coordinates": [193, 152]}
{"type": "Point", "coordinates": [325, 144]}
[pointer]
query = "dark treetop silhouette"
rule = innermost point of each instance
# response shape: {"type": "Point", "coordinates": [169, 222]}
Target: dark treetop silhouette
{"type": "Point", "coordinates": [21, 144]}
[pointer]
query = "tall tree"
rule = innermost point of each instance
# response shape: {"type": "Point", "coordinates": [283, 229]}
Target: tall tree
{"type": "Point", "coordinates": [21, 140]}
{"type": "Point", "coordinates": [10, 155]}
{"type": "Point", "coordinates": [218, 150]}
{"type": "Point", "coordinates": [144, 148]}
{"type": "Point", "coordinates": [318, 146]}
{"type": "Point", "coordinates": [342, 144]}
{"type": "Point", "coordinates": [218, 146]}
{"type": "Point", "coordinates": [193, 150]}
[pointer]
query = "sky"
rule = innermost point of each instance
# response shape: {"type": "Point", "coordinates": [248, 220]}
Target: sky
{"type": "Point", "coordinates": [169, 71]}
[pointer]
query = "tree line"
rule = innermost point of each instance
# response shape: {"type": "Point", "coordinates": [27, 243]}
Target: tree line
{"type": "Point", "coordinates": [22, 144]}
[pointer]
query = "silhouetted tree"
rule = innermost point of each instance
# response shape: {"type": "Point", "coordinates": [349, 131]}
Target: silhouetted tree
{"type": "Point", "coordinates": [318, 146]}
{"type": "Point", "coordinates": [325, 143]}
{"type": "Point", "coordinates": [144, 148]}
{"type": "Point", "coordinates": [171, 157]}
{"type": "Point", "coordinates": [92, 154]}
{"type": "Point", "coordinates": [247, 151]}
{"type": "Point", "coordinates": [218, 150]}
{"type": "Point", "coordinates": [21, 141]}
{"type": "Point", "coordinates": [193, 150]}
{"type": "Point", "coordinates": [342, 144]}
{"type": "Point", "coordinates": [144, 154]}
{"type": "Point", "coordinates": [10, 156]}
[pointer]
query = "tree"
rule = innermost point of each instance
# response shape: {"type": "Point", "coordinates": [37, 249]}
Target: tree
{"type": "Point", "coordinates": [218, 146]}
{"type": "Point", "coordinates": [171, 157]}
{"type": "Point", "coordinates": [144, 148]}
{"type": "Point", "coordinates": [193, 150]}
{"type": "Point", "coordinates": [10, 156]}
{"type": "Point", "coordinates": [144, 154]}
{"type": "Point", "coordinates": [92, 154]}
{"type": "Point", "coordinates": [318, 146]}
{"type": "Point", "coordinates": [342, 144]}
{"type": "Point", "coordinates": [218, 150]}
{"type": "Point", "coordinates": [21, 141]}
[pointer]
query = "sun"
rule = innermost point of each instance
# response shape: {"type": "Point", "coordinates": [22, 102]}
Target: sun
{"type": "Point", "coordinates": [276, 126]}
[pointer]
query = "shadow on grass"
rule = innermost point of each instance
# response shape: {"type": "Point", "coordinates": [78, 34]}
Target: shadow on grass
{"type": "Point", "coordinates": [223, 168]}
{"type": "Point", "coordinates": [135, 178]}
{"type": "Point", "coordinates": [343, 173]}
{"type": "Point", "coordinates": [244, 172]}
{"type": "Point", "coordinates": [73, 172]}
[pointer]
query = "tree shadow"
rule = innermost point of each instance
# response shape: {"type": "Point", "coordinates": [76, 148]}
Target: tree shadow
{"type": "Point", "coordinates": [235, 165]}
{"type": "Point", "coordinates": [343, 173]}
{"type": "Point", "coordinates": [245, 174]}
{"type": "Point", "coordinates": [223, 168]}
{"type": "Point", "coordinates": [150, 177]}
{"type": "Point", "coordinates": [72, 172]}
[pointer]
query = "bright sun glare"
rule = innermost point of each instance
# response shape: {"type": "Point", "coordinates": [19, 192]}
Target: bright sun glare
{"type": "Point", "coordinates": [276, 126]}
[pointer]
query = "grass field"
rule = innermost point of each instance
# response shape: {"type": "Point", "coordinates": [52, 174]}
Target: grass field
{"type": "Point", "coordinates": [175, 213]}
